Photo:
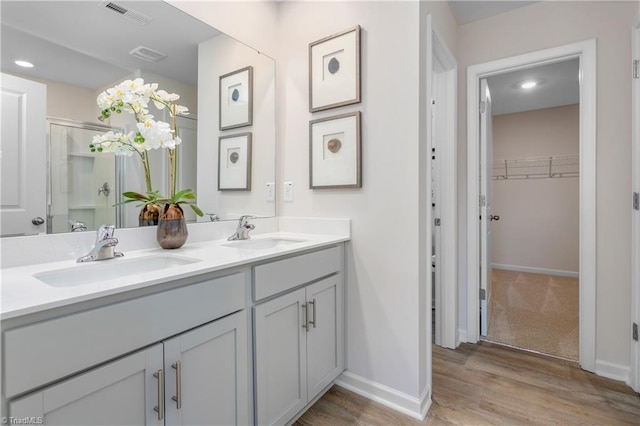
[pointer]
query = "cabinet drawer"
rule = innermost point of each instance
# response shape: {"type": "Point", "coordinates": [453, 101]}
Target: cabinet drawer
{"type": "Point", "coordinates": [276, 277]}
{"type": "Point", "coordinates": [43, 352]}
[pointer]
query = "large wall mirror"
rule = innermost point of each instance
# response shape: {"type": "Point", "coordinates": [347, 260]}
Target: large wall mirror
{"type": "Point", "coordinates": [79, 49]}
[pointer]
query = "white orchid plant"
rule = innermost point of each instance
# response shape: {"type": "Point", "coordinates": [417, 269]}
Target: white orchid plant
{"type": "Point", "coordinates": [133, 96]}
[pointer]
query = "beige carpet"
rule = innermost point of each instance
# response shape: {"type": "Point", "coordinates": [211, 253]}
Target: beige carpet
{"type": "Point", "coordinates": [534, 311]}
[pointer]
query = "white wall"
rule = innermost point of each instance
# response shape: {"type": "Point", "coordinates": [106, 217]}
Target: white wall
{"type": "Point", "coordinates": [539, 217]}
{"type": "Point", "coordinates": [216, 57]}
{"type": "Point", "coordinates": [545, 25]}
{"type": "Point", "coordinates": [385, 289]}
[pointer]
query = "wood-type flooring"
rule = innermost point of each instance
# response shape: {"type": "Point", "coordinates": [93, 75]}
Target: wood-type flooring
{"type": "Point", "coordinates": [489, 384]}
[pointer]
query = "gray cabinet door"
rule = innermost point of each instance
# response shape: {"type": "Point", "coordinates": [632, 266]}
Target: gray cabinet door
{"type": "Point", "coordinates": [281, 358]}
{"type": "Point", "coordinates": [123, 392]}
{"type": "Point", "coordinates": [325, 336]}
{"type": "Point", "coordinates": [206, 374]}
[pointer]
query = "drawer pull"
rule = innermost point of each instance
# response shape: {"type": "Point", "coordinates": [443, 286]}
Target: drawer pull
{"type": "Point", "coordinates": [178, 396]}
{"type": "Point", "coordinates": [315, 308]}
{"type": "Point", "coordinates": [305, 309]}
{"type": "Point", "coordinates": [160, 407]}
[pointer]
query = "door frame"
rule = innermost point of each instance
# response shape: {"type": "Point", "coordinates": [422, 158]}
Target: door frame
{"type": "Point", "coordinates": [585, 51]}
{"type": "Point", "coordinates": [442, 68]}
{"type": "Point", "coordinates": [635, 217]}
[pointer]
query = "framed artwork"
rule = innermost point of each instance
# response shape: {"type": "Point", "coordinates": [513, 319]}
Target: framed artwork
{"type": "Point", "coordinates": [335, 152]}
{"type": "Point", "coordinates": [236, 99]}
{"type": "Point", "coordinates": [234, 162]}
{"type": "Point", "coordinates": [334, 70]}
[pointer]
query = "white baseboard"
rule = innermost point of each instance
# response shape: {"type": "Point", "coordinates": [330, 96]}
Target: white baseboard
{"type": "Point", "coordinates": [396, 400]}
{"type": "Point", "coordinates": [535, 270]}
{"type": "Point", "coordinates": [613, 371]}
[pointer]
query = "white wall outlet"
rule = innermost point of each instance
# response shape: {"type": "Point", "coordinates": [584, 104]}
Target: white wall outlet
{"type": "Point", "coordinates": [288, 191]}
{"type": "Point", "coordinates": [271, 191]}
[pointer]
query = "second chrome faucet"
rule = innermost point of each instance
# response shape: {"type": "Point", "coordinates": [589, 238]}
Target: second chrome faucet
{"type": "Point", "coordinates": [243, 229]}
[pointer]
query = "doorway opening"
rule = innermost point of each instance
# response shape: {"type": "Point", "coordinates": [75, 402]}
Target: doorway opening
{"type": "Point", "coordinates": [532, 209]}
{"type": "Point", "coordinates": [584, 53]}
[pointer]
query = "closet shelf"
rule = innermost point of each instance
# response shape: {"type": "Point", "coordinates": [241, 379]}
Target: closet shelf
{"type": "Point", "coordinates": [537, 167]}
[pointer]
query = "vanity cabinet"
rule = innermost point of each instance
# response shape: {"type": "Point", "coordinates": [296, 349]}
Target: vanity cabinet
{"type": "Point", "coordinates": [198, 377]}
{"type": "Point", "coordinates": [120, 393]}
{"type": "Point", "coordinates": [298, 333]}
{"type": "Point", "coordinates": [172, 357]}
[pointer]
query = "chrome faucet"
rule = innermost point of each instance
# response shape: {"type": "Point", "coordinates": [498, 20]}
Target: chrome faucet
{"type": "Point", "coordinates": [77, 226]}
{"type": "Point", "coordinates": [104, 247]}
{"type": "Point", "coordinates": [244, 227]}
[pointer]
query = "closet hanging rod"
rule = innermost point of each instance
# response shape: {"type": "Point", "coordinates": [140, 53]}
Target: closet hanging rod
{"type": "Point", "coordinates": [557, 166]}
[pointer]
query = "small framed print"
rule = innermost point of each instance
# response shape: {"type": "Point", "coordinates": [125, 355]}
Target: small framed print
{"type": "Point", "coordinates": [236, 99]}
{"type": "Point", "coordinates": [334, 70]}
{"type": "Point", "coordinates": [335, 152]}
{"type": "Point", "coordinates": [234, 162]}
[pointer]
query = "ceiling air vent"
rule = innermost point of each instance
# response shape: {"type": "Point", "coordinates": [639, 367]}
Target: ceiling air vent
{"type": "Point", "coordinates": [147, 54]}
{"type": "Point", "coordinates": [131, 15]}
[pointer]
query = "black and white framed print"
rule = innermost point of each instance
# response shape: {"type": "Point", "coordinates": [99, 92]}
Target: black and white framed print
{"type": "Point", "coordinates": [234, 162]}
{"type": "Point", "coordinates": [236, 99]}
{"type": "Point", "coordinates": [334, 70]}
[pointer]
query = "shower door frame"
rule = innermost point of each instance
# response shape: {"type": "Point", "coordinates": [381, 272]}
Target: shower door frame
{"type": "Point", "coordinates": [119, 164]}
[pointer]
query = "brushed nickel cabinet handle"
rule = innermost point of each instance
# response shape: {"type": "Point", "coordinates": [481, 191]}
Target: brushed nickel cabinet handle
{"type": "Point", "coordinates": [315, 308]}
{"type": "Point", "coordinates": [305, 309]}
{"type": "Point", "coordinates": [160, 407]}
{"type": "Point", "coordinates": [178, 396]}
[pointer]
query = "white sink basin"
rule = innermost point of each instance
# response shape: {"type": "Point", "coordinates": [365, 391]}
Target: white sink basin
{"type": "Point", "coordinates": [262, 243]}
{"type": "Point", "coordinates": [89, 273]}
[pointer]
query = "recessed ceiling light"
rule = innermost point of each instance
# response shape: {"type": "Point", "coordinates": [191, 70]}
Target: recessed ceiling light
{"type": "Point", "coordinates": [528, 84]}
{"type": "Point", "coordinates": [24, 64]}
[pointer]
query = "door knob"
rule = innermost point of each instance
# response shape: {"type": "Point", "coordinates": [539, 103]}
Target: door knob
{"type": "Point", "coordinates": [492, 217]}
{"type": "Point", "coordinates": [37, 220]}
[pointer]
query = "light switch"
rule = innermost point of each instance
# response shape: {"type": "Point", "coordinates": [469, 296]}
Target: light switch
{"type": "Point", "coordinates": [288, 191]}
{"type": "Point", "coordinates": [271, 191]}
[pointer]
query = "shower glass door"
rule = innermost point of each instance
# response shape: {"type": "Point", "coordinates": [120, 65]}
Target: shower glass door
{"type": "Point", "coordinates": [82, 186]}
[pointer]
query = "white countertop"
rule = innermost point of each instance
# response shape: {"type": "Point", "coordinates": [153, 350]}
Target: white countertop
{"type": "Point", "coordinates": [24, 294]}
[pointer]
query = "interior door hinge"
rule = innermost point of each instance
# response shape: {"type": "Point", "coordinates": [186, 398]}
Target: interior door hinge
{"type": "Point", "coordinates": [635, 331]}
{"type": "Point", "coordinates": [636, 68]}
{"type": "Point", "coordinates": [636, 201]}
{"type": "Point", "coordinates": [483, 294]}
{"type": "Point", "coordinates": [483, 201]}
{"type": "Point", "coordinates": [483, 107]}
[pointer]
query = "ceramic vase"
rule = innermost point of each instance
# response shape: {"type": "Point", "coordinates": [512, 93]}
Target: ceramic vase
{"type": "Point", "coordinates": [172, 227]}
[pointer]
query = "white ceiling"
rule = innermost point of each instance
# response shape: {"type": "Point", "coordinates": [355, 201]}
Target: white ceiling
{"type": "Point", "coordinates": [469, 11]}
{"type": "Point", "coordinates": [558, 85]}
{"type": "Point", "coordinates": [85, 44]}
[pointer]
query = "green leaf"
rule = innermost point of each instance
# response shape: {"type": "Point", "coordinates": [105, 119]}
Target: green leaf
{"type": "Point", "coordinates": [193, 206]}
{"type": "Point", "coordinates": [185, 193]}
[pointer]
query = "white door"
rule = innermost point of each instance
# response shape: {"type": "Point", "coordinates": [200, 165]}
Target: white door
{"type": "Point", "coordinates": [124, 392]}
{"type": "Point", "coordinates": [486, 200]}
{"type": "Point", "coordinates": [635, 345]}
{"type": "Point", "coordinates": [281, 358]}
{"type": "Point", "coordinates": [324, 334]}
{"type": "Point", "coordinates": [23, 164]}
{"type": "Point", "coordinates": [206, 374]}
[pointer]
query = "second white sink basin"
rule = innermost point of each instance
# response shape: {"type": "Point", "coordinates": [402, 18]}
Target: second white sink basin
{"type": "Point", "coordinates": [262, 243]}
{"type": "Point", "coordinates": [105, 270]}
